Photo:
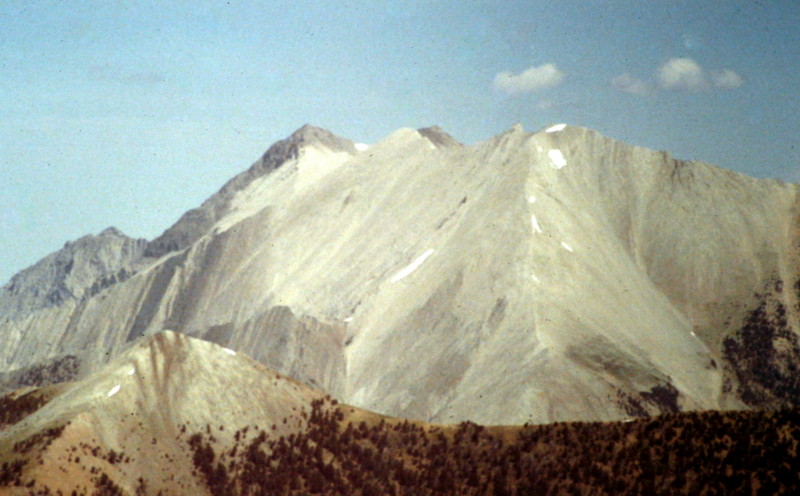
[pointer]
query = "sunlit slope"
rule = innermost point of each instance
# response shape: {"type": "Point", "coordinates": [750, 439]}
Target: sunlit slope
{"type": "Point", "coordinates": [548, 276]}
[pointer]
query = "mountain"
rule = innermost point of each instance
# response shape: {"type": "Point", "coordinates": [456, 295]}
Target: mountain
{"type": "Point", "coordinates": [77, 272]}
{"type": "Point", "coordinates": [49, 292]}
{"type": "Point", "coordinates": [556, 275]}
{"type": "Point", "coordinates": [175, 415]}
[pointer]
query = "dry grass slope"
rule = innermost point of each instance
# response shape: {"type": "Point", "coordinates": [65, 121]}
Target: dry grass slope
{"type": "Point", "coordinates": [345, 451]}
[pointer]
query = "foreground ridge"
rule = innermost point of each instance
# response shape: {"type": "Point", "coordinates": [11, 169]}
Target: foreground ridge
{"type": "Point", "coordinates": [315, 445]}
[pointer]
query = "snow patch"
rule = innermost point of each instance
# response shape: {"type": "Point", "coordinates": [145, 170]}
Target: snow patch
{"type": "Point", "coordinates": [566, 246]}
{"type": "Point", "coordinates": [557, 158]}
{"type": "Point", "coordinates": [229, 351]}
{"type": "Point", "coordinates": [535, 279]}
{"type": "Point", "coordinates": [531, 199]}
{"type": "Point", "coordinates": [535, 224]}
{"type": "Point", "coordinates": [556, 128]}
{"type": "Point", "coordinates": [348, 319]}
{"type": "Point", "coordinates": [361, 146]}
{"type": "Point", "coordinates": [131, 371]}
{"type": "Point", "coordinates": [412, 267]}
{"type": "Point", "coordinates": [113, 391]}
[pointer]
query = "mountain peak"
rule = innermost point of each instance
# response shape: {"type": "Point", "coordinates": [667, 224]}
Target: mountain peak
{"type": "Point", "coordinates": [307, 134]}
{"type": "Point", "coordinates": [516, 128]}
{"type": "Point", "coordinates": [438, 136]}
{"type": "Point", "coordinates": [81, 268]}
{"type": "Point", "coordinates": [290, 147]}
{"type": "Point", "coordinates": [112, 231]}
{"type": "Point", "coordinates": [310, 134]}
{"type": "Point", "coordinates": [198, 221]}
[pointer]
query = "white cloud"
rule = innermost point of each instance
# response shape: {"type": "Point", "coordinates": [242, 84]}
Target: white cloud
{"type": "Point", "coordinates": [679, 74]}
{"type": "Point", "coordinates": [629, 84]}
{"type": "Point", "coordinates": [529, 81]}
{"type": "Point", "coordinates": [726, 79]}
{"type": "Point", "coordinates": [682, 74]}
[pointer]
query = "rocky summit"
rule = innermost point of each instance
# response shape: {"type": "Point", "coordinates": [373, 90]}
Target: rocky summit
{"type": "Point", "coordinates": [532, 277]}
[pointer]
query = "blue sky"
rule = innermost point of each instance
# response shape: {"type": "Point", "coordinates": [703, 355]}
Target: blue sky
{"type": "Point", "coordinates": [130, 113]}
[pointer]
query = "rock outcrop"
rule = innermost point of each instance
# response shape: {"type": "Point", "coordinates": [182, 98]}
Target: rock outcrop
{"type": "Point", "coordinates": [78, 271]}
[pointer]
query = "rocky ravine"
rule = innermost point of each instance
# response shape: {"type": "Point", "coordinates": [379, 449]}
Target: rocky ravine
{"type": "Point", "coordinates": [531, 277]}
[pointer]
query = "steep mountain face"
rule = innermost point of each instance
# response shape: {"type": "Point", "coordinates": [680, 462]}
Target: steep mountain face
{"type": "Point", "coordinates": [532, 277]}
{"type": "Point", "coordinates": [78, 271]}
{"type": "Point", "coordinates": [49, 292]}
{"type": "Point", "coordinates": [196, 222]}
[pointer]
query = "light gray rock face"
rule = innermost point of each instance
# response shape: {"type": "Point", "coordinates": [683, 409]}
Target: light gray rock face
{"type": "Point", "coordinates": [44, 296]}
{"type": "Point", "coordinates": [558, 275]}
{"type": "Point", "coordinates": [78, 271]}
{"type": "Point", "coordinates": [196, 222]}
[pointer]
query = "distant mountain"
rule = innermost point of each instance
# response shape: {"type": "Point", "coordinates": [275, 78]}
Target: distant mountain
{"type": "Point", "coordinates": [174, 415]}
{"type": "Point", "coordinates": [77, 272]}
{"type": "Point", "coordinates": [559, 275]}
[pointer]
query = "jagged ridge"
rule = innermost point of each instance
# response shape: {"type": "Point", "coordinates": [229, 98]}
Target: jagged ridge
{"type": "Point", "coordinates": [76, 271]}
